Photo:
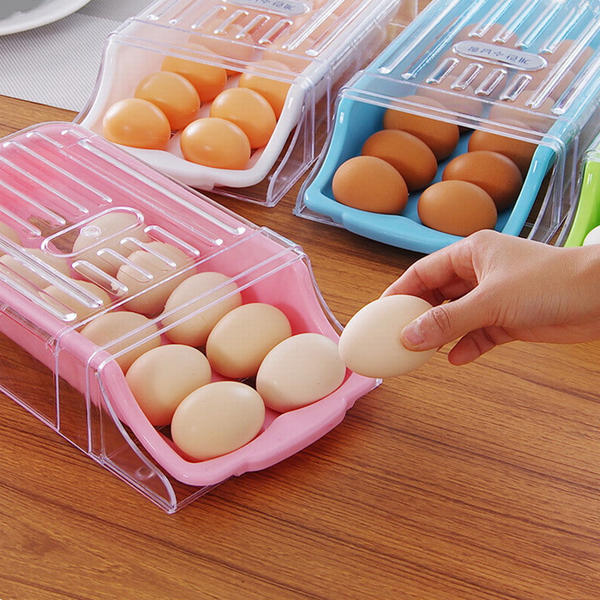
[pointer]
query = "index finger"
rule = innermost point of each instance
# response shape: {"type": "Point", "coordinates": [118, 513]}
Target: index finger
{"type": "Point", "coordinates": [445, 274]}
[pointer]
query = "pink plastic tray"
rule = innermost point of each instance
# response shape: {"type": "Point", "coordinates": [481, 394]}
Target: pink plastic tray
{"type": "Point", "coordinates": [54, 179]}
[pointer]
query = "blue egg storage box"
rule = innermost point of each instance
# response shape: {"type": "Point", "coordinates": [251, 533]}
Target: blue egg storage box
{"type": "Point", "coordinates": [524, 69]}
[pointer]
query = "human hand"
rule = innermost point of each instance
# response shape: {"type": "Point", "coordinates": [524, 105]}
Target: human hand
{"type": "Point", "coordinates": [502, 288]}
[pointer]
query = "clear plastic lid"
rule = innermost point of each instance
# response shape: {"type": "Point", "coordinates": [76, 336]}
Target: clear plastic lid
{"type": "Point", "coordinates": [88, 232]}
{"type": "Point", "coordinates": [527, 71]}
{"type": "Point", "coordinates": [293, 53]}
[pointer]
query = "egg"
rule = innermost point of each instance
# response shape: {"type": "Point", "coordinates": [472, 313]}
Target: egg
{"type": "Point", "coordinates": [215, 143]}
{"type": "Point", "coordinates": [370, 343]}
{"type": "Point", "coordinates": [8, 232]}
{"type": "Point", "coordinates": [300, 370]}
{"type": "Point", "coordinates": [539, 119]}
{"type": "Point", "coordinates": [145, 268]}
{"type": "Point", "coordinates": [440, 136]}
{"type": "Point", "coordinates": [204, 292]}
{"type": "Point", "coordinates": [564, 50]}
{"type": "Point", "coordinates": [230, 43]}
{"type": "Point", "coordinates": [138, 123]}
{"type": "Point", "coordinates": [105, 237]}
{"type": "Point", "coordinates": [82, 309]}
{"type": "Point", "coordinates": [519, 151]}
{"type": "Point", "coordinates": [541, 78]}
{"type": "Point", "coordinates": [108, 329]}
{"type": "Point", "coordinates": [208, 80]}
{"type": "Point", "coordinates": [31, 273]}
{"type": "Point", "coordinates": [457, 207]}
{"type": "Point", "coordinates": [592, 237]}
{"type": "Point", "coordinates": [249, 111]}
{"type": "Point", "coordinates": [497, 174]}
{"type": "Point", "coordinates": [173, 94]}
{"type": "Point", "coordinates": [270, 87]}
{"type": "Point", "coordinates": [216, 419]}
{"type": "Point", "coordinates": [411, 157]}
{"type": "Point", "coordinates": [242, 338]}
{"type": "Point", "coordinates": [370, 183]}
{"type": "Point", "coordinates": [161, 378]}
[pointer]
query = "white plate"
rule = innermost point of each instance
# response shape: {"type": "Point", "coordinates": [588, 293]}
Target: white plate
{"type": "Point", "coordinates": [21, 15]}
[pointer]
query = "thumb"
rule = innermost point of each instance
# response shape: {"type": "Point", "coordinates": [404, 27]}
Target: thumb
{"type": "Point", "coordinates": [444, 323]}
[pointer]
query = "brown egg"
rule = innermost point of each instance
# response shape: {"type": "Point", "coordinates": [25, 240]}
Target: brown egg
{"type": "Point", "coordinates": [208, 80]}
{"type": "Point", "coordinates": [457, 100]}
{"type": "Point", "coordinates": [519, 151]}
{"type": "Point", "coordinates": [229, 44]}
{"type": "Point", "coordinates": [138, 123]}
{"type": "Point", "coordinates": [411, 157]}
{"type": "Point", "coordinates": [540, 119]}
{"type": "Point", "coordinates": [495, 173]}
{"type": "Point", "coordinates": [173, 94]}
{"type": "Point", "coordinates": [457, 207]}
{"type": "Point", "coordinates": [540, 77]}
{"type": "Point", "coordinates": [215, 143]}
{"type": "Point", "coordinates": [370, 183]}
{"type": "Point", "coordinates": [564, 49]}
{"type": "Point", "coordinates": [249, 111]}
{"type": "Point", "coordinates": [107, 328]}
{"type": "Point", "coordinates": [273, 90]}
{"type": "Point", "coordinates": [441, 137]}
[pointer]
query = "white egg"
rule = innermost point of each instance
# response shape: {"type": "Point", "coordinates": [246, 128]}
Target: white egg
{"type": "Point", "coordinates": [216, 419]}
{"type": "Point", "coordinates": [370, 344]}
{"type": "Point", "coordinates": [300, 370]}
{"type": "Point", "coordinates": [593, 237]}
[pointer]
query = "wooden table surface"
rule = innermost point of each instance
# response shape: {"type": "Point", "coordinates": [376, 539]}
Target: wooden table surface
{"type": "Point", "coordinates": [479, 482]}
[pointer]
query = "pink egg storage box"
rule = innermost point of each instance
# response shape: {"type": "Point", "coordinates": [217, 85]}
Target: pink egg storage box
{"type": "Point", "coordinates": [54, 179]}
{"type": "Point", "coordinates": [315, 46]}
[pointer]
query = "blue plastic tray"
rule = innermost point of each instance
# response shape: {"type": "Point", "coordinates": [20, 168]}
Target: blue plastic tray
{"type": "Point", "coordinates": [522, 34]}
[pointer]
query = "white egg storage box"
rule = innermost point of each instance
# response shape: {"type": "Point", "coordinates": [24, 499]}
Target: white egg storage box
{"type": "Point", "coordinates": [56, 181]}
{"type": "Point", "coordinates": [527, 71]}
{"type": "Point", "coordinates": [308, 47]}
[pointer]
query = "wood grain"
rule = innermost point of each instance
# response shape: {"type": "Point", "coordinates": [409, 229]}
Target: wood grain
{"type": "Point", "coordinates": [471, 483]}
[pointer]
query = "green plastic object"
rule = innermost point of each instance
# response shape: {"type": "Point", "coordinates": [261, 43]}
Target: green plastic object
{"type": "Point", "coordinates": [587, 215]}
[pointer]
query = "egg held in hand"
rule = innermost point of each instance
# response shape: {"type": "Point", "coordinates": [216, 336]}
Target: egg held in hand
{"type": "Point", "coordinates": [370, 343]}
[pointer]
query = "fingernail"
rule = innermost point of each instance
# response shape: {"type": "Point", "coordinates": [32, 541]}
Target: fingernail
{"type": "Point", "coordinates": [412, 334]}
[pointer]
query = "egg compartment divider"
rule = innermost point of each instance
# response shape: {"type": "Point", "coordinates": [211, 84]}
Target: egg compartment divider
{"type": "Point", "coordinates": [444, 54]}
{"type": "Point", "coordinates": [323, 50]}
{"type": "Point", "coordinates": [54, 179]}
{"type": "Point", "coordinates": [587, 214]}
